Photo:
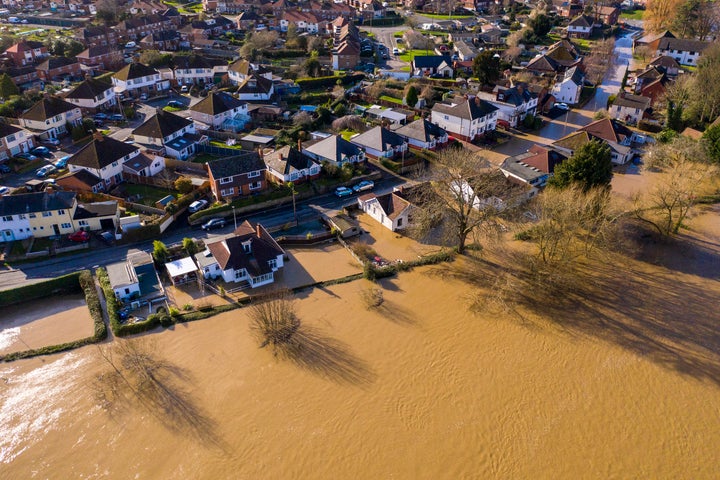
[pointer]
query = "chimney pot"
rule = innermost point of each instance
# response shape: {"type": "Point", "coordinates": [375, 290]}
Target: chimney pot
{"type": "Point", "coordinates": [258, 231]}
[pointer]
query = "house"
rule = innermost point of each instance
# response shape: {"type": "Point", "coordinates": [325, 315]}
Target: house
{"type": "Point", "coordinates": [666, 64]}
{"type": "Point", "coordinates": [93, 36]}
{"type": "Point", "coordinates": [52, 68]}
{"type": "Point", "coordinates": [104, 158]}
{"type": "Point", "coordinates": [533, 167]}
{"type": "Point", "coordinates": [466, 119]}
{"type": "Point", "coordinates": [567, 8]}
{"type": "Point", "coordinates": [559, 57]}
{"type": "Point", "coordinates": [247, 20]}
{"type": "Point", "coordinates": [581, 27]}
{"type": "Point", "coordinates": [651, 41]}
{"type": "Point", "coordinates": [389, 115]}
{"type": "Point", "coordinates": [288, 164]}
{"type": "Point", "coordinates": [346, 46]}
{"type": "Point", "coordinates": [655, 90]}
{"type": "Point", "coordinates": [379, 142]}
{"type": "Point", "coordinates": [92, 95]}
{"type": "Point", "coordinates": [166, 130]}
{"type": "Point", "coordinates": [239, 71]}
{"type": "Point", "coordinates": [303, 21]}
{"type": "Point", "coordinates": [102, 57]}
{"type": "Point", "coordinates": [136, 79]}
{"type": "Point", "coordinates": [513, 103]}
{"type": "Point", "coordinates": [51, 213]}
{"type": "Point", "coordinates": [390, 210]}
{"type": "Point", "coordinates": [144, 165]}
{"type": "Point", "coordinates": [335, 150]}
{"type": "Point", "coordinates": [204, 29]}
{"type": "Point", "coordinates": [168, 41]}
{"type": "Point", "coordinates": [425, 65]}
{"type": "Point", "coordinates": [135, 28]}
{"type": "Point", "coordinates": [80, 181]}
{"type": "Point", "coordinates": [14, 140]}
{"type": "Point", "coordinates": [423, 135]}
{"type": "Point", "coordinates": [135, 279]}
{"type": "Point", "coordinates": [250, 256]}
{"type": "Point", "coordinates": [608, 14]}
{"type": "Point", "coordinates": [49, 117]}
{"type": "Point", "coordinates": [255, 88]}
{"type": "Point", "coordinates": [629, 108]}
{"type": "Point", "coordinates": [232, 177]}
{"type": "Point", "coordinates": [466, 51]}
{"type": "Point", "coordinates": [616, 135]}
{"type": "Point", "coordinates": [196, 69]}
{"type": "Point", "coordinates": [23, 77]}
{"type": "Point", "coordinates": [568, 90]}
{"type": "Point", "coordinates": [27, 52]}
{"type": "Point", "coordinates": [217, 108]}
{"type": "Point", "coordinates": [685, 51]}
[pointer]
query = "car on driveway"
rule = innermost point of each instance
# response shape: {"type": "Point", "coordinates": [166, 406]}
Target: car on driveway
{"type": "Point", "coordinates": [197, 205]}
{"type": "Point", "coordinates": [51, 141]}
{"type": "Point", "coordinates": [363, 186]}
{"type": "Point", "coordinates": [79, 236]}
{"type": "Point", "coordinates": [45, 171]}
{"type": "Point", "coordinates": [213, 223]}
{"type": "Point", "coordinates": [341, 192]}
{"type": "Point", "coordinates": [62, 162]}
{"type": "Point", "coordinates": [100, 116]}
{"type": "Point", "coordinates": [562, 106]}
{"type": "Point", "coordinates": [26, 156]}
{"type": "Point", "coordinates": [42, 152]}
{"type": "Point", "coordinates": [116, 117]}
{"type": "Point", "coordinates": [175, 104]}
{"type": "Point", "coordinates": [4, 190]}
{"type": "Point", "coordinates": [5, 168]}
{"type": "Point", "coordinates": [106, 237]}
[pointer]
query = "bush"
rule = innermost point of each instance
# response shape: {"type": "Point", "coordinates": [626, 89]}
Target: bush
{"type": "Point", "coordinates": [67, 284]}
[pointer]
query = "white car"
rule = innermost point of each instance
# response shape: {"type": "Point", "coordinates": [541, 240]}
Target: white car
{"type": "Point", "coordinates": [4, 190]}
{"type": "Point", "coordinates": [396, 51]}
{"type": "Point", "coordinates": [562, 106]}
{"type": "Point", "coordinates": [197, 205]}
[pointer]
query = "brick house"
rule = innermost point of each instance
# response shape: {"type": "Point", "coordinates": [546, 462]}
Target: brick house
{"type": "Point", "coordinates": [27, 52]}
{"type": "Point", "coordinates": [103, 57]}
{"type": "Point", "coordinates": [237, 176]}
{"type": "Point", "coordinates": [96, 36]}
{"type": "Point", "coordinates": [57, 67]}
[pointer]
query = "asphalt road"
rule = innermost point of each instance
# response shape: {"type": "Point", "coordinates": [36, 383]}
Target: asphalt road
{"type": "Point", "coordinates": [47, 268]}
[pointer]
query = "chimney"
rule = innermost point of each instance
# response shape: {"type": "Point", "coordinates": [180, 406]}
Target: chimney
{"type": "Point", "coordinates": [299, 145]}
{"type": "Point", "coordinates": [281, 156]}
{"type": "Point", "coordinates": [50, 189]}
{"type": "Point", "coordinates": [477, 101]}
{"type": "Point", "coordinates": [258, 231]}
{"type": "Point", "coordinates": [98, 136]}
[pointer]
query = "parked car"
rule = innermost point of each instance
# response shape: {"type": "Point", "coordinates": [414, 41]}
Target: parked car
{"type": "Point", "coordinates": [42, 152]}
{"type": "Point", "coordinates": [106, 237]}
{"type": "Point", "coordinates": [116, 117]}
{"type": "Point", "coordinates": [62, 162]}
{"type": "Point", "coordinates": [197, 205]}
{"type": "Point", "coordinates": [562, 106]}
{"type": "Point", "coordinates": [396, 51]}
{"type": "Point", "coordinates": [363, 186]}
{"type": "Point", "coordinates": [4, 190]}
{"type": "Point", "coordinates": [26, 156]}
{"type": "Point", "coordinates": [51, 141]}
{"type": "Point", "coordinates": [144, 96]}
{"type": "Point", "coordinates": [45, 171]}
{"type": "Point", "coordinates": [184, 89]}
{"type": "Point", "coordinates": [213, 223]}
{"type": "Point", "coordinates": [343, 192]}
{"type": "Point", "coordinates": [130, 45]}
{"type": "Point", "coordinates": [175, 104]}
{"type": "Point", "coordinates": [5, 168]}
{"type": "Point", "coordinates": [100, 116]}
{"type": "Point", "coordinates": [79, 236]}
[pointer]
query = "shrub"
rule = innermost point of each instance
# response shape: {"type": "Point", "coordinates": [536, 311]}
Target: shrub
{"type": "Point", "coordinates": [372, 297]}
{"type": "Point", "coordinates": [187, 307]}
{"type": "Point", "coordinates": [174, 312]}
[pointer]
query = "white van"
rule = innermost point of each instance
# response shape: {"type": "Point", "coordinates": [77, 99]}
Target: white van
{"type": "Point", "coordinates": [14, 20]}
{"type": "Point", "coordinates": [130, 45]}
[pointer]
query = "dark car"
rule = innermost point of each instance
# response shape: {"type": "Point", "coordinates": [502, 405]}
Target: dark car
{"type": "Point", "coordinates": [175, 104]}
{"type": "Point", "coordinates": [100, 116]}
{"type": "Point", "coordinates": [5, 168]}
{"type": "Point", "coordinates": [213, 223]}
{"type": "Point", "coordinates": [42, 152]}
{"type": "Point", "coordinates": [116, 117]}
{"type": "Point", "coordinates": [26, 156]}
{"type": "Point", "coordinates": [107, 237]}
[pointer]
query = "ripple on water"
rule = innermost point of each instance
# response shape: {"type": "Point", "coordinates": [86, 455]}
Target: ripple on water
{"type": "Point", "coordinates": [31, 403]}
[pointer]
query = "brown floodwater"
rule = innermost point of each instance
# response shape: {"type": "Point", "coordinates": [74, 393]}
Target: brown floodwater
{"type": "Point", "coordinates": [420, 388]}
{"type": "Point", "coordinates": [55, 320]}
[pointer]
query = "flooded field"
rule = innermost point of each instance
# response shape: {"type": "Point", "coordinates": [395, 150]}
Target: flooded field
{"type": "Point", "coordinates": [45, 322]}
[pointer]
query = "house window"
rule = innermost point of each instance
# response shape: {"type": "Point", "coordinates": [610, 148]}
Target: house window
{"type": "Point", "coordinates": [61, 212]}
{"type": "Point", "coordinates": [8, 218]}
{"type": "Point", "coordinates": [83, 223]}
{"type": "Point", "coordinates": [272, 263]}
{"type": "Point", "coordinates": [227, 192]}
{"type": "Point", "coordinates": [255, 186]}
{"type": "Point", "coordinates": [253, 174]}
{"type": "Point", "coordinates": [127, 291]}
{"type": "Point", "coordinates": [10, 138]}
{"type": "Point", "coordinates": [66, 225]}
{"type": "Point", "coordinates": [47, 214]}
{"type": "Point", "coordinates": [399, 222]}
{"type": "Point", "coordinates": [32, 215]}
{"type": "Point", "coordinates": [225, 180]}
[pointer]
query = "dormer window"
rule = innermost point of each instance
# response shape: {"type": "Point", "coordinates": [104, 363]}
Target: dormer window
{"type": "Point", "coordinates": [247, 246]}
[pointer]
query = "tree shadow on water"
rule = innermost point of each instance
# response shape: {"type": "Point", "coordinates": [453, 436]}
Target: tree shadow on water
{"type": "Point", "coordinates": [138, 375]}
{"type": "Point", "coordinates": [311, 350]}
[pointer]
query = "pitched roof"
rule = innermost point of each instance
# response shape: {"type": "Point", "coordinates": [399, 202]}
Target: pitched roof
{"type": "Point", "coordinates": [236, 165]}
{"type": "Point", "coordinates": [629, 100]}
{"type": "Point", "coordinates": [429, 61]}
{"type": "Point", "coordinates": [516, 95]}
{"type": "Point", "coordinates": [97, 51]}
{"type": "Point", "coordinates": [378, 138]}
{"type": "Point", "coordinates": [421, 130]}
{"type": "Point", "coordinates": [581, 21]}
{"type": "Point", "coordinates": [46, 108]}
{"type": "Point", "coordinates": [89, 89]}
{"type": "Point", "coordinates": [288, 159]}
{"type": "Point", "coordinates": [682, 44]}
{"type": "Point", "coordinates": [241, 66]}
{"type": "Point", "coordinates": [216, 103]}
{"type": "Point", "coordinates": [541, 158]}
{"type": "Point", "coordinates": [230, 254]}
{"type": "Point", "coordinates": [517, 167]}
{"type": "Point", "coordinates": [195, 61]}
{"type": "Point", "coordinates": [24, 45]}
{"type": "Point", "coordinates": [134, 70]}
{"type": "Point", "coordinates": [7, 129]}
{"type": "Point", "coordinates": [665, 61]}
{"type": "Point", "coordinates": [95, 210]}
{"type": "Point", "coordinates": [35, 202]}
{"type": "Point", "coordinates": [51, 63]}
{"type": "Point", "coordinates": [161, 125]}
{"type": "Point", "coordinates": [469, 109]}
{"type": "Point", "coordinates": [392, 204]}
{"type": "Point", "coordinates": [81, 179]}
{"type": "Point", "coordinates": [253, 84]}
{"type": "Point", "coordinates": [607, 129]}
{"type": "Point", "coordinates": [101, 152]}
{"type": "Point", "coordinates": [334, 148]}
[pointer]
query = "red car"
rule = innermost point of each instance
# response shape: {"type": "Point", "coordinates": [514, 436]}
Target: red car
{"type": "Point", "coordinates": [79, 236]}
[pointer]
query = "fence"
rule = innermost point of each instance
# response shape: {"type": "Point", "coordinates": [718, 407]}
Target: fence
{"type": "Point", "coordinates": [220, 135]}
{"type": "Point", "coordinates": [215, 150]}
{"type": "Point", "coordinates": [173, 164]}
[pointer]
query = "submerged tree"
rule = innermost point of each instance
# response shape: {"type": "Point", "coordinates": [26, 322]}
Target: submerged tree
{"type": "Point", "coordinates": [273, 321]}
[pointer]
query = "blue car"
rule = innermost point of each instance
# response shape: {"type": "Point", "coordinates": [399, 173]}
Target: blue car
{"type": "Point", "coordinates": [42, 152]}
{"type": "Point", "coordinates": [62, 162]}
{"type": "Point", "coordinates": [343, 192]}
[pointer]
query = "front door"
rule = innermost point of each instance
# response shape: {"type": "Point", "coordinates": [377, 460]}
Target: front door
{"type": "Point", "coordinates": [57, 230]}
{"type": "Point", "coordinates": [7, 236]}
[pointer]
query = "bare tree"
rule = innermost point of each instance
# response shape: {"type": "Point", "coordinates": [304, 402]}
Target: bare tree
{"type": "Point", "coordinates": [463, 195]}
{"type": "Point", "coordinates": [273, 321]}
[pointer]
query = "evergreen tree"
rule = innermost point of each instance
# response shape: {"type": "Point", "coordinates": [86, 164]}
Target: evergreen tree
{"type": "Point", "coordinates": [589, 167]}
{"type": "Point", "coordinates": [7, 86]}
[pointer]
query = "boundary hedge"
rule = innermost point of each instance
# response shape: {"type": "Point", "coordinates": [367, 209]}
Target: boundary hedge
{"type": "Point", "coordinates": [309, 83]}
{"type": "Point", "coordinates": [85, 283]}
{"type": "Point", "coordinates": [64, 285]}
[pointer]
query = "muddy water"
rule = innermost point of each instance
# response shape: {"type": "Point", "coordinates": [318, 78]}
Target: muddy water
{"type": "Point", "coordinates": [419, 389]}
{"type": "Point", "coordinates": [39, 324]}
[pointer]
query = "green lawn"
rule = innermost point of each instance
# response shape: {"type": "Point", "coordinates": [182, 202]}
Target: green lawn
{"type": "Point", "coordinates": [149, 194]}
{"type": "Point", "coordinates": [445, 17]}
{"type": "Point", "coordinates": [408, 55]}
{"type": "Point", "coordinates": [634, 15]}
{"type": "Point", "coordinates": [218, 143]}
{"type": "Point", "coordinates": [168, 108]}
{"type": "Point", "coordinates": [347, 134]}
{"type": "Point", "coordinates": [399, 34]}
{"type": "Point", "coordinates": [391, 99]}
{"type": "Point", "coordinates": [203, 158]}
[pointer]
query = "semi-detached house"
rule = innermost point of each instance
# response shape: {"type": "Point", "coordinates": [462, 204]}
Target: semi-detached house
{"type": "Point", "coordinates": [92, 95]}
{"type": "Point", "coordinates": [104, 158]}
{"type": "Point", "coordinates": [169, 131]}
{"type": "Point", "coordinates": [217, 108]}
{"type": "Point", "coordinates": [14, 140]}
{"type": "Point", "coordinates": [236, 176]}
{"type": "Point", "coordinates": [136, 79]}
{"type": "Point", "coordinates": [467, 119]}
{"type": "Point", "coordinates": [49, 117]}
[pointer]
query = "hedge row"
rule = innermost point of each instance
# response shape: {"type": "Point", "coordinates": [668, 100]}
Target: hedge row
{"type": "Point", "coordinates": [372, 272]}
{"type": "Point", "coordinates": [308, 83]}
{"type": "Point", "coordinates": [85, 282]}
{"type": "Point", "coordinates": [67, 284]}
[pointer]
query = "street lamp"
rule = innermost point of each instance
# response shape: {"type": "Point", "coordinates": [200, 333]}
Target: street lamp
{"type": "Point", "coordinates": [291, 186]}
{"type": "Point", "coordinates": [234, 217]}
